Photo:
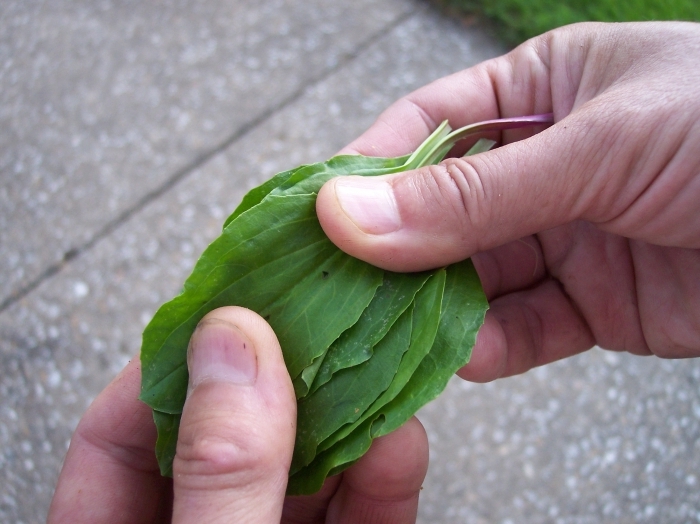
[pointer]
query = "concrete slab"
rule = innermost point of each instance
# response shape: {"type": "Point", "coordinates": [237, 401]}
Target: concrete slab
{"type": "Point", "coordinates": [104, 104]}
{"type": "Point", "coordinates": [64, 341]}
{"type": "Point", "coordinates": [599, 438]}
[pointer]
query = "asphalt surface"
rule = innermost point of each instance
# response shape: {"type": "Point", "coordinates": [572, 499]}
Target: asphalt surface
{"type": "Point", "coordinates": [129, 130]}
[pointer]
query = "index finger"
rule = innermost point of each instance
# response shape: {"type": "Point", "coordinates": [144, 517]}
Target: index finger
{"type": "Point", "coordinates": [515, 84]}
{"type": "Point", "coordinates": [110, 473]}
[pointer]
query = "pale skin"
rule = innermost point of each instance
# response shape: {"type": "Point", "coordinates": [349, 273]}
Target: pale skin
{"type": "Point", "coordinates": [585, 233]}
{"type": "Point", "coordinates": [234, 447]}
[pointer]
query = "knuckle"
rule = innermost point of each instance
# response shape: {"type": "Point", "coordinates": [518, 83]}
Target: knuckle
{"type": "Point", "coordinates": [215, 447]}
{"type": "Point", "coordinates": [457, 185]}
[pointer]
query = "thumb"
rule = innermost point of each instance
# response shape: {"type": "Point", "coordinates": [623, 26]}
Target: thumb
{"type": "Point", "coordinates": [441, 214]}
{"type": "Point", "coordinates": [238, 423]}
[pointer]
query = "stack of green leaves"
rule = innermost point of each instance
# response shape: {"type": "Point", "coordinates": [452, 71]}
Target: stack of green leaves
{"type": "Point", "coordinates": [365, 348]}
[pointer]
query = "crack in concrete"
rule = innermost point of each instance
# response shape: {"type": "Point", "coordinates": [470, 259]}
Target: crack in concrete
{"type": "Point", "coordinates": [202, 159]}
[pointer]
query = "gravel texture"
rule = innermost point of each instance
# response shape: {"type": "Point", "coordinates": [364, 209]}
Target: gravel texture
{"type": "Point", "coordinates": [128, 132]}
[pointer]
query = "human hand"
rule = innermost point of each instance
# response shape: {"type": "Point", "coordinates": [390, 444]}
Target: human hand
{"type": "Point", "coordinates": [586, 233]}
{"type": "Point", "coordinates": [234, 447]}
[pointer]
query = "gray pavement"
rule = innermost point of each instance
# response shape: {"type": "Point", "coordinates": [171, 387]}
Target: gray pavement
{"type": "Point", "coordinates": [129, 130]}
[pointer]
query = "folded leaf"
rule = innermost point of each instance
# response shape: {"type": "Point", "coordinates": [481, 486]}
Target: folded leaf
{"type": "Point", "coordinates": [365, 348]}
{"type": "Point", "coordinates": [464, 306]}
{"type": "Point", "coordinates": [462, 311]}
{"type": "Point", "coordinates": [351, 391]}
{"type": "Point", "coordinates": [426, 321]}
{"type": "Point", "coordinates": [332, 461]}
{"type": "Point", "coordinates": [290, 282]}
{"type": "Point", "coordinates": [356, 345]}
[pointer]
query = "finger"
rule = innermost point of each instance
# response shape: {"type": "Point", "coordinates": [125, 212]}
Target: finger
{"type": "Point", "coordinates": [441, 214]}
{"type": "Point", "coordinates": [510, 267]}
{"type": "Point", "coordinates": [238, 423]}
{"type": "Point", "coordinates": [669, 299]}
{"type": "Point", "coordinates": [524, 330]}
{"type": "Point", "coordinates": [598, 272]}
{"type": "Point", "coordinates": [594, 270]}
{"type": "Point", "coordinates": [110, 473]}
{"type": "Point", "coordinates": [374, 224]}
{"type": "Point", "coordinates": [484, 92]}
{"type": "Point", "coordinates": [383, 486]}
{"type": "Point", "coordinates": [311, 509]}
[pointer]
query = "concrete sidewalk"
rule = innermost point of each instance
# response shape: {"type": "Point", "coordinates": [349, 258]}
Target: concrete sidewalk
{"type": "Point", "coordinates": [129, 130]}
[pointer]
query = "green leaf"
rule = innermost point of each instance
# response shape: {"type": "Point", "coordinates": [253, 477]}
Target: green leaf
{"type": "Point", "coordinates": [310, 179]}
{"type": "Point", "coordinates": [167, 425]}
{"type": "Point", "coordinates": [345, 398]}
{"type": "Point", "coordinates": [356, 345]}
{"type": "Point", "coordinates": [464, 306]}
{"type": "Point", "coordinates": [290, 283]}
{"type": "Point", "coordinates": [256, 195]}
{"type": "Point", "coordinates": [481, 146]}
{"type": "Point", "coordinates": [462, 311]}
{"type": "Point", "coordinates": [426, 320]}
{"type": "Point", "coordinates": [365, 348]}
{"type": "Point", "coordinates": [343, 455]}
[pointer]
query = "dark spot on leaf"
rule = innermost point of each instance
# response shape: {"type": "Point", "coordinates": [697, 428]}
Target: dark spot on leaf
{"type": "Point", "coordinates": [325, 274]}
{"type": "Point", "coordinates": [267, 317]}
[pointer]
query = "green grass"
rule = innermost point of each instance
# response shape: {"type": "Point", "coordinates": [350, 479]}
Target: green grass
{"type": "Point", "coordinates": [518, 20]}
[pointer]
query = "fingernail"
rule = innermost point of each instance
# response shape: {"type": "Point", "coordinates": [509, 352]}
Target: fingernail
{"type": "Point", "coordinates": [369, 203]}
{"type": "Point", "coordinates": [220, 352]}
